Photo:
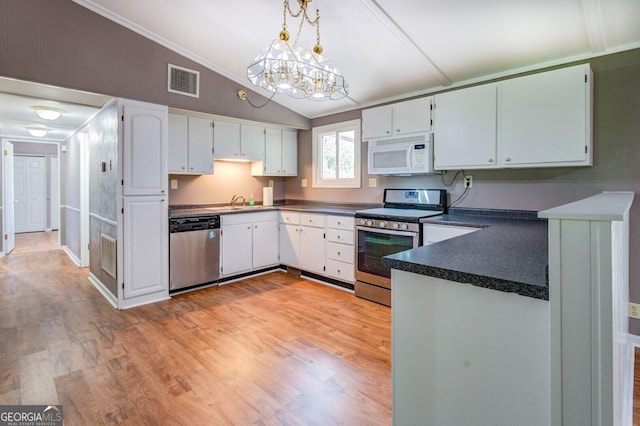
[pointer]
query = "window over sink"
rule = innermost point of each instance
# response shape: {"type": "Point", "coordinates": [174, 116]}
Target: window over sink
{"type": "Point", "coordinates": [336, 155]}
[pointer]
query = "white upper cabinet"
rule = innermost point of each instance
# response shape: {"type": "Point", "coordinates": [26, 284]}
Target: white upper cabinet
{"type": "Point", "coordinates": [190, 144]}
{"type": "Point", "coordinates": [289, 153]}
{"type": "Point", "coordinates": [545, 119]}
{"type": "Point", "coordinates": [397, 119]}
{"type": "Point", "coordinates": [465, 128]}
{"type": "Point", "coordinates": [235, 141]}
{"type": "Point", "coordinates": [145, 139]}
{"type": "Point", "coordinates": [280, 154]}
{"type": "Point", "coordinates": [539, 120]}
{"type": "Point", "coordinates": [226, 139]}
{"type": "Point", "coordinates": [251, 142]}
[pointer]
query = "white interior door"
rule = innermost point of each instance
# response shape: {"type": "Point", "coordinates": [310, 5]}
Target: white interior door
{"type": "Point", "coordinates": [9, 199]}
{"type": "Point", "coordinates": [30, 194]}
{"type": "Point", "coordinates": [54, 215]}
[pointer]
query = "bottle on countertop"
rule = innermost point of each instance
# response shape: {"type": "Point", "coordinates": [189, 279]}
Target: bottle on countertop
{"type": "Point", "coordinates": [252, 202]}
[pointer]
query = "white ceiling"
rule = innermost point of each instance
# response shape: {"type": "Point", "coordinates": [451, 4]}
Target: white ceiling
{"type": "Point", "coordinates": [389, 49]}
{"type": "Point", "coordinates": [386, 49]}
{"type": "Point", "coordinates": [17, 99]}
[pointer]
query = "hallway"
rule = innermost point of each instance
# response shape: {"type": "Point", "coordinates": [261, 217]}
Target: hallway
{"type": "Point", "coordinates": [31, 242]}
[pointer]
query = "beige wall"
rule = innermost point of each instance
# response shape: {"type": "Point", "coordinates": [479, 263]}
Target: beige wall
{"type": "Point", "coordinates": [62, 43]}
{"type": "Point", "coordinates": [229, 179]}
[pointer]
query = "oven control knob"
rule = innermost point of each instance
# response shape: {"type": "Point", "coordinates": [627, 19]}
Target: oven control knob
{"type": "Point", "coordinates": [383, 224]}
{"type": "Point", "coordinates": [405, 226]}
{"type": "Point", "coordinates": [396, 226]}
{"type": "Point", "coordinates": [363, 221]}
{"type": "Point", "coordinates": [369, 223]}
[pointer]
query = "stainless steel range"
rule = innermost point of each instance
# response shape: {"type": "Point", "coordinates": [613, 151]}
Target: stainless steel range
{"type": "Point", "coordinates": [394, 228]}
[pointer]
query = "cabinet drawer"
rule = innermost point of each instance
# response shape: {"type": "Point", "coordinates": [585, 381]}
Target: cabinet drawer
{"type": "Point", "coordinates": [341, 252]}
{"type": "Point", "coordinates": [312, 220]}
{"type": "Point", "coordinates": [340, 270]}
{"type": "Point", "coordinates": [291, 218]}
{"type": "Point", "coordinates": [340, 236]}
{"type": "Point", "coordinates": [340, 222]}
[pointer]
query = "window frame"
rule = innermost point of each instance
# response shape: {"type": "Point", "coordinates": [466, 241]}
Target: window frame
{"type": "Point", "coordinates": [317, 132]}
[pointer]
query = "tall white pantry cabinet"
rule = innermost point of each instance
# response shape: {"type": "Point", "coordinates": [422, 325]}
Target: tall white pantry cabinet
{"type": "Point", "coordinates": [143, 257]}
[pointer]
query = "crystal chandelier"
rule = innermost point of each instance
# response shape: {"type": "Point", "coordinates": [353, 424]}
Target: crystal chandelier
{"type": "Point", "coordinates": [294, 70]}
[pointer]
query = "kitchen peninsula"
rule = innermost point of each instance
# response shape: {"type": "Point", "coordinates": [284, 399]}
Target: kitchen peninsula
{"type": "Point", "coordinates": [475, 344]}
{"type": "Point", "coordinates": [470, 323]}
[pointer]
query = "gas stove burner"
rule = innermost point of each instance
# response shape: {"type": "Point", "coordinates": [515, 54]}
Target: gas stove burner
{"type": "Point", "coordinates": [408, 205]}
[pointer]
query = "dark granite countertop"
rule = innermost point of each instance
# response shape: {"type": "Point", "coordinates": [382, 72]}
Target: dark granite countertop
{"type": "Point", "coordinates": [336, 209]}
{"type": "Point", "coordinates": [509, 253]}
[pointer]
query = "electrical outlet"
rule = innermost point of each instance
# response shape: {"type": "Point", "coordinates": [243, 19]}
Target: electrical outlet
{"type": "Point", "coordinates": [303, 183]}
{"type": "Point", "coordinates": [373, 182]}
{"type": "Point", "coordinates": [271, 183]}
{"type": "Point", "coordinates": [634, 310]}
{"type": "Point", "coordinates": [468, 181]}
{"type": "Point", "coordinates": [174, 183]}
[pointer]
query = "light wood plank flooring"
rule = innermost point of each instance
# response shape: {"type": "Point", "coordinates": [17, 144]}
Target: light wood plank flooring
{"type": "Point", "coordinates": [269, 350]}
{"type": "Point", "coordinates": [29, 242]}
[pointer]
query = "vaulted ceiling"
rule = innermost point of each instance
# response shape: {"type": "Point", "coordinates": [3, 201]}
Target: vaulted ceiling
{"type": "Point", "coordinates": [389, 49]}
{"type": "Point", "coordinates": [386, 49]}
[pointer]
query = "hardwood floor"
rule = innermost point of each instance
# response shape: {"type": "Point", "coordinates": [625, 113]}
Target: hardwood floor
{"type": "Point", "coordinates": [274, 349]}
{"type": "Point", "coordinates": [29, 242]}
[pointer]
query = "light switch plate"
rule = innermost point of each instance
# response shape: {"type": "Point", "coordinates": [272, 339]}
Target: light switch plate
{"type": "Point", "coordinates": [174, 183]}
{"type": "Point", "coordinates": [373, 182]}
{"type": "Point", "coordinates": [303, 183]}
{"type": "Point", "coordinates": [271, 183]}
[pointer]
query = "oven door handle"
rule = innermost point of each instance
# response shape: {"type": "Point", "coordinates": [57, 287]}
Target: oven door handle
{"type": "Point", "coordinates": [386, 231]}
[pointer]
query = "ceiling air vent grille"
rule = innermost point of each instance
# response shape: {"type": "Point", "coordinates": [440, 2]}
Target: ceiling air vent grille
{"type": "Point", "coordinates": [183, 81]}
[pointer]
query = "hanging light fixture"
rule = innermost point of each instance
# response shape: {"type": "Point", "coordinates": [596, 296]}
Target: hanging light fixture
{"type": "Point", "coordinates": [298, 72]}
{"type": "Point", "coordinates": [47, 113]}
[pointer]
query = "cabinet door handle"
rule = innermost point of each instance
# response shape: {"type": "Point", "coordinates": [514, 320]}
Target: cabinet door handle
{"type": "Point", "coordinates": [338, 253]}
{"type": "Point", "coordinates": [183, 167]}
{"type": "Point", "coordinates": [491, 160]}
{"type": "Point", "coordinates": [507, 159]}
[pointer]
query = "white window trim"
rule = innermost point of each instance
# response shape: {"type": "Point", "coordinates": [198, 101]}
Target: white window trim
{"type": "Point", "coordinates": [356, 182]}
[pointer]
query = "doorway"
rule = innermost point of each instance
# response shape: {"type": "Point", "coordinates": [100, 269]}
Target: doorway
{"type": "Point", "coordinates": [30, 181]}
{"type": "Point", "coordinates": [31, 184]}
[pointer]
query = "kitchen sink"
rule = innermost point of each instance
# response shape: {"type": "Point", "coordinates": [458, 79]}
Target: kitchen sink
{"type": "Point", "coordinates": [234, 208]}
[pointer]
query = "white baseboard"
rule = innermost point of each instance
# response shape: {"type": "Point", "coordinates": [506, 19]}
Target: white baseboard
{"type": "Point", "coordinates": [113, 300]}
{"type": "Point", "coordinates": [72, 256]}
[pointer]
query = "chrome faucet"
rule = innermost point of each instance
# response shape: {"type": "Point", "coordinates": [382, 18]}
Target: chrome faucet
{"type": "Point", "coordinates": [236, 199]}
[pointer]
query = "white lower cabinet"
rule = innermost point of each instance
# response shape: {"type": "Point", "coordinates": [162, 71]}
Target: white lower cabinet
{"type": "Point", "coordinates": [302, 241]}
{"type": "Point", "coordinates": [146, 249]}
{"type": "Point", "coordinates": [435, 233]}
{"type": "Point", "coordinates": [340, 248]}
{"type": "Point", "coordinates": [249, 242]}
{"type": "Point", "coordinates": [321, 244]}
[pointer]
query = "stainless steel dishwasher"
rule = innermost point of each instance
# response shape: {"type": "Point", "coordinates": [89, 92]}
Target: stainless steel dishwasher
{"type": "Point", "coordinates": [194, 251]}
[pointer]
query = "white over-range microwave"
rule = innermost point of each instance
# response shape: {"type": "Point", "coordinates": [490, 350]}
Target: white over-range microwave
{"type": "Point", "coordinates": [404, 156]}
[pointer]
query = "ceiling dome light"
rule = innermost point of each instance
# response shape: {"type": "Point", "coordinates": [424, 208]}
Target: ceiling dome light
{"type": "Point", "coordinates": [48, 113]}
{"type": "Point", "coordinates": [36, 132]}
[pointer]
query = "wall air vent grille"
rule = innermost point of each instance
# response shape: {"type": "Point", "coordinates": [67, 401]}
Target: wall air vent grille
{"type": "Point", "coordinates": [183, 81]}
{"type": "Point", "coordinates": [108, 255]}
